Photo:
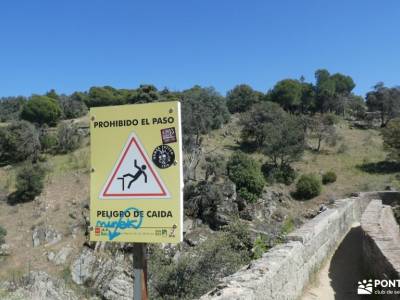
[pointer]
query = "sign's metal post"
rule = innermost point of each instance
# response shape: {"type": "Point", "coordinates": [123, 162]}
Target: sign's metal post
{"type": "Point", "coordinates": [140, 271]}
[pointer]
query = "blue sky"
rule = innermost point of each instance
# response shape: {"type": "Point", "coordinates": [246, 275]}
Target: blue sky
{"type": "Point", "coordinates": [72, 45]}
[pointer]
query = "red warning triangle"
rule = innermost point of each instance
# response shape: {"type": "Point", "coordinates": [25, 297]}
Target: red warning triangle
{"type": "Point", "coordinates": [134, 175]}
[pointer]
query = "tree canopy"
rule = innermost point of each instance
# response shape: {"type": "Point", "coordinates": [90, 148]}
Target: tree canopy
{"type": "Point", "coordinates": [104, 96]}
{"type": "Point", "coordinates": [241, 98]}
{"type": "Point", "coordinates": [391, 138]}
{"type": "Point", "coordinates": [384, 100]}
{"type": "Point", "coordinates": [72, 106]}
{"type": "Point", "coordinates": [288, 93]}
{"type": "Point", "coordinates": [146, 93]}
{"type": "Point", "coordinates": [256, 119]}
{"type": "Point", "coordinates": [327, 95]}
{"type": "Point", "coordinates": [331, 91]}
{"type": "Point", "coordinates": [278, 134]}
{"type": "Point", "coordinates": [203, 109]}
{"type": "Point", "coordinates": [41, 110]}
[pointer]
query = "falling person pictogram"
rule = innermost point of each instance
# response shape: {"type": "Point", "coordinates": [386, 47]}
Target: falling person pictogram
{"type": "Point", "coordinates": [140, 172]}
{"type": "Point", "coordinates": [133, 175]}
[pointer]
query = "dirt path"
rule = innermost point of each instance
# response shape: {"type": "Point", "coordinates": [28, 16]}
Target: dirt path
{"type": "Point", "coordinates": [338, 279]}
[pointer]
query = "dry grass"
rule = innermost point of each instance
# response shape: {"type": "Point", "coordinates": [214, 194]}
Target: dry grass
{"type": "Point", "coordinates": [361, 147]}
{"type": "Point", "coordinates": [78, 160]}
{"type": "Point", "coordinates": [66, 188]}
{"type": "Point", "coordinates": [354, 149]}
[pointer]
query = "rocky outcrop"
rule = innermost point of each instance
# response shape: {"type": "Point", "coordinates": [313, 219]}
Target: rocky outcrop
{"type": "Point", "coordinates": [5, 250]}
{"type": "Point", "coordinates": [60, 257]}
{"type": "Point", "coordinates": [268, 214]}
{"type": "Point", "coordinates": [38, 285]}
{"type": "Point", "coordinates": [198, 235]}
{"type": "Point", "coordinates": [45, 235]}
{"type": "Point", "coordinates": [112, 278]}
{"type": "Point", "coordinates": [227, 208]}
{"type": "Point", "coordinates": [81, 268]}
{"type": "Point", "coordinates": [262, 210]}
{"type": "Point", "coordinates": [120, 287]}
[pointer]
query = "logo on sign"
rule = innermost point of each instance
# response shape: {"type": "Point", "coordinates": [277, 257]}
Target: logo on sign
{"type": "Point", "coordinates": [163, 156]}
{"type": "Point", "coordinates": [365, 287]}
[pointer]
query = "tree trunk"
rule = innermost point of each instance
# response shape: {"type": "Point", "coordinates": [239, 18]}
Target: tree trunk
{"type": "Point", "coordinates": [319, 143]}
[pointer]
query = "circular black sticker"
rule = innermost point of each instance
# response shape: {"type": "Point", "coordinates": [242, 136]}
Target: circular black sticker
{"type": "Point", "coordinates": [163, 156]}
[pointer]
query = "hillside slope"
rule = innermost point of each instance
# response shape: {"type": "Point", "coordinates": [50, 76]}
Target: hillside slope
{"type": "Point", "coordinates": [54, 224]}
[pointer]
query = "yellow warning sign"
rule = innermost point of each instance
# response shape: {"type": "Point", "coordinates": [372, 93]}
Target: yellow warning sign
{"type": "Point", "coordinates": [136, 180]}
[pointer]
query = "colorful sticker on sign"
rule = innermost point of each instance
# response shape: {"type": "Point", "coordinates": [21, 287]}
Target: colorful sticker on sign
{"type": "Point", "coordinates": [168, 135]}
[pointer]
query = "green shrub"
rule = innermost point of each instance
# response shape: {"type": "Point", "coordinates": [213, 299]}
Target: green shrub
{"type": "Point", "coordinates": [329, 177]}
{"type": "Point", "coordinates": [202, 200]}
{"type": "Point", "coordinates": [260, 247]}
{"type": "Point", "coordinates": [72, 106]}
{"type": "Point", "coordinates": [246, 174]}
{"type": "Point", "coordinates": [245, 194]}
{"type": "Point", "coordinates": [287, 226]}
{"type": "Point", "coordinates": [197, 269]}
{"type": "Point", "coordinates": [18, 142]}
{"type": "Point", "coordinates": [10, 108]}
{"type": "Point", "coordinates": [238, 235]}
{"type": "Point", "coordinates": [308, 186]}
{"type": "Point", "coordinates": [215, 167]}
{"type": "Point", "coordinates": [69, 138]}
{"type": "Point", "coordinates": [284, 174]}
{"type": "Point", "coordinates": [211, 196]}
{"type": "Point", "coordinates": [79, 160]}
{"type": "Point", "coordinates": [3, 233]}
{"type": "Point", "coordinates": [343, 148]}
{"type": "Point", "coordinates": [48, 140]}
{"type": "Point", "coordinates": [41, 110]}
{"type": "Point", "coordinates": [190, 192]}
{"type": "Point", "coordinates": [29, 183]}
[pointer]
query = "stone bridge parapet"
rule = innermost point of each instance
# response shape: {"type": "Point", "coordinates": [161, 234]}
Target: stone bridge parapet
{"type": "Point", "coordinates": [285, 270]}
{"type": "Point", "coordinates": [381, 240]}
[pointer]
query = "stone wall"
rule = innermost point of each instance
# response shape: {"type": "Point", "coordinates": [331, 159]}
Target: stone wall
{"type": "Point", "coordinates": [381, 240]}
{"type": "Point", "coordinates": [285, 270]}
